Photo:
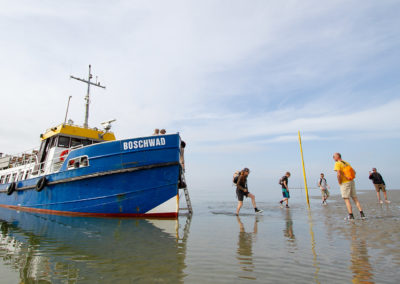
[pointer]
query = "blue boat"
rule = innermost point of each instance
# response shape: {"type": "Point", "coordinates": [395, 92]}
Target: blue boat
{"type": "Point", "coordinates": [85, 171]}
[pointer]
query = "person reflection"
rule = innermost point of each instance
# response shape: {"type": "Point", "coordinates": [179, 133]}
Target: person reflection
{"type": "Point", "coordinates": [360, 265]}
{"type": "Point", "coordinates": [245, 250]}
{"type": "Point", "coordinates": [288, 231]}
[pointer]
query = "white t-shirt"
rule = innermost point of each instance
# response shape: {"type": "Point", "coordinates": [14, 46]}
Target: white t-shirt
{"type": "Point", "coordinates": [322, 182]}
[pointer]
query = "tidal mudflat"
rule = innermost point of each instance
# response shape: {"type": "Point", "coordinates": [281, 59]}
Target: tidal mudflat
{"type": "Point", "coordinates": [214, 246]}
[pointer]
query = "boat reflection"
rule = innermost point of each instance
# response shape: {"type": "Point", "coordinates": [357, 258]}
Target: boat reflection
{"type": "Point", "coordinates": [245, 250]}
{"type": "Point", "coordinates": [51, 249]}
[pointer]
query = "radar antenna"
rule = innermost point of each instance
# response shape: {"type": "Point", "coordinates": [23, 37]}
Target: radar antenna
{"type": "Point", "coordinates": [87, 97]}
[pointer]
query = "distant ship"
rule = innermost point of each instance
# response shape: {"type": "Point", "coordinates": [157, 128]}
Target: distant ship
{"type": "Point", "coordinates": [87, 172]}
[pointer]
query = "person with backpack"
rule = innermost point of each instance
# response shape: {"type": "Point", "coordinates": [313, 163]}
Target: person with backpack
{"type": "Point", "coordinates": [285, 189]}
{"type": "Point", "coordinates": [242, 190]}
{"type": "Point", "coordinates": [346, 176]}
{"type": "Point", "coordinates": [379, 184]}
{"type": "Point", "coordinates": [323, 185]}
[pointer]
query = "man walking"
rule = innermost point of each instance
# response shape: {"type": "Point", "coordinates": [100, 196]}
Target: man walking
{"type": "Point", "coordinates": [242, 190]}
{"type": "Point", "coordinates": [379, 184]}
{"type": "Point", "coordinates": [345, 176]}
{"type": "Point", "coordinates": [323, 185]}
{"type": "Point", "coordinates": [285, 189]}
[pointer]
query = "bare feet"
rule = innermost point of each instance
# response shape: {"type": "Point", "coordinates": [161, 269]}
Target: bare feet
{"type": "Point", "coordinates": [387, 201]}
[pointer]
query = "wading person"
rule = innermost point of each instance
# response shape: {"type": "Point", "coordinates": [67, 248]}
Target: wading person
{"type": "Point", "coordinates": [379, 184]}
{"type": "Point", "coordinates": [323, 185]}
{"type": "Point", "coordinates": [284, 181]}
{"type": "Point", "coordinates": [345, 177]}
{"type": "Point", "coordinates": [242, 190]}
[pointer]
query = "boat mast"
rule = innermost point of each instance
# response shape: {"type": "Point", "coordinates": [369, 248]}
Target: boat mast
{"type": "Point", "coordinates": [87, 97]}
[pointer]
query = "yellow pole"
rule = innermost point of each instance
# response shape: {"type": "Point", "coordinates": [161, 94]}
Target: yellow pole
{"type": "Point", "coordinates": [304, 171]}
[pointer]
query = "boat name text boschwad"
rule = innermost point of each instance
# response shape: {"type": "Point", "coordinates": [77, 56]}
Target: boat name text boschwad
{"type": "Point", "coordinates": [144, 143]}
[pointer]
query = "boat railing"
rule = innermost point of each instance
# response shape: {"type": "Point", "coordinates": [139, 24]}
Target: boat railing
{"type": "Point", "coordinates": [54, 164]}
{"type": "Point", "coordinates": [22, 159]}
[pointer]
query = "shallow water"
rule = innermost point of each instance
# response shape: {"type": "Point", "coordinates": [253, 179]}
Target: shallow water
{"type": "Point", "coordinates": [214, 246]}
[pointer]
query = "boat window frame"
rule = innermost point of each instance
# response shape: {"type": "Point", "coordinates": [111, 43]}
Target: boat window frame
{"type": "Point", "coordinates": [59, 141]}
{"type": "Point", "coordinates": [54, 143]}
{"type": "Point", "coordinates": [2, 179]}
{"type": "Point", "coordinates": [76, 140]}
{"type": "Point", "coordinates": [71, 165]}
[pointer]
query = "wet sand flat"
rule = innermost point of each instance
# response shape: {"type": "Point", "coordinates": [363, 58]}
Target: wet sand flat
{"type": "Point", "coordinates": [294, 245]}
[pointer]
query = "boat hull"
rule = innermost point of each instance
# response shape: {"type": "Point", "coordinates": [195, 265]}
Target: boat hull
{"type": "Point", "coordinates": [120, 182]}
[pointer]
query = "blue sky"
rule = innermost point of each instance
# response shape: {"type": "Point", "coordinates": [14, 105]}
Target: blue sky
{"type": "Point", "coordinates": [237, 79]}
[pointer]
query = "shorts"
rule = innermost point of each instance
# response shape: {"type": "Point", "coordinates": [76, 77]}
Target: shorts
{"type": "Point", "coordinates": [325, 193]}
{"type": "Point", "coordinates": [348, 189]}
{"type": "Point", "coordinates": [240, 194]}
{"type": "Point", "coordinates": [379, 187]}
{"type": "Point", "coordinates": [285, 193]}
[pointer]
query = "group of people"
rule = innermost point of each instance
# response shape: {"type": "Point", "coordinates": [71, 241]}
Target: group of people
{"type": "Point", "coordinates": [159, 132]}
{"type": "Point", "coordinates": [345, 177]}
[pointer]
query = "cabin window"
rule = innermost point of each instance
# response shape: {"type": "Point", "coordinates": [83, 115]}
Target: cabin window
{"type": "Point", "coordinates": [78, 162]}
{"type": "Point", "coordinates": [14, 177]}
{"type": "Point", "coordinates": [86, 142]}
{"type": "Point", "coordinates": [2, 179]}
{"type": "Point", "coordinates": [54, 142]}
{"type": "Point", "coordinates": [7, 179]}
{"type": "Point", "coordinates": [76, 142]}
{"type": "Point", "coordinates": [63, 141]}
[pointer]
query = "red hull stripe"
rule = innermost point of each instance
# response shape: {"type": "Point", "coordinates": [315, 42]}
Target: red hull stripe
{"type": "Point", "coordinates": [169, 215]}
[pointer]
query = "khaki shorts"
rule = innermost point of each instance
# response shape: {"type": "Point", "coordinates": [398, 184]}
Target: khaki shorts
{"type": "Point", "coordinates": [379, 187]}
{"type": "Point", "coordinates": [348, 189]}
{"type": "Point", "coordinates": [325, 192]}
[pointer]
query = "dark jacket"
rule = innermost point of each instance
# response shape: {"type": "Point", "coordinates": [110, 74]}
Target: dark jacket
{"type": "Point", "coordinates": [242, 183]}
{"type": "Point", "coordinates": [376, 178]}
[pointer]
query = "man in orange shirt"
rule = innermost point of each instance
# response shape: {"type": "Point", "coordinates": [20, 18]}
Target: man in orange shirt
{"type": "Point", "coordinates": [347, 187]}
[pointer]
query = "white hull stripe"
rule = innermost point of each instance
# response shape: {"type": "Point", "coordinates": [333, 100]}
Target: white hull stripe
{"type": "Point", "coordinates": [169, 206]}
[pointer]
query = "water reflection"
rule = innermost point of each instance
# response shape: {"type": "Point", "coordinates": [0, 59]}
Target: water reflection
{"type": "Point", "coordinates": [245, 250]}
{"type": "Point", "coordinates": [360, 265]}
{"type": "Point", "coordinates": [313, 247]}
{"type": "Point", "coordinates": [357, 234]}
{"type": "Point", "coordinates": [53, 249]}
{"type": "Point", "coordinates": [288, 232]}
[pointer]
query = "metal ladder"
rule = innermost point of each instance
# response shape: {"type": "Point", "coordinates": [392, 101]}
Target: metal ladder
{"type": "Point", "coordinates": [187, 197]}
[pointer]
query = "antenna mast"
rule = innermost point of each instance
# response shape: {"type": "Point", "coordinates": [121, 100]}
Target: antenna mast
{"type": "Point", "coordinates": [87, 97]}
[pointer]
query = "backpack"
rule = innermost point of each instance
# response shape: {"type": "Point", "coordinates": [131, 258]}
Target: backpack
{"type": "Point", "coordinates": [348, 171]}
{"type": "Point", "coordinates": [281, 180]}
{"type": "Point", "coordinates": [236, 177]}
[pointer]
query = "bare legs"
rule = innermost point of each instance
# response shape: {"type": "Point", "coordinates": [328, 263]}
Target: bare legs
{"type": "Point", "coordinates": [378, 194]}
{"type": "Point", "coordinates": [385, 195]}
{"type": "Point", "coordinates": [253, 200]}
{"type": "Point", "coordinates": [240, 203]}
{"type": "Point", "coordinates": [348, 204]}
{"type": "Point", "coordinates": [285, 200]}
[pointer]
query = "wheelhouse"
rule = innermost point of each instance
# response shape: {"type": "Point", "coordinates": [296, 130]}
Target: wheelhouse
{"type": "Point", "coordinates": [55, 145]}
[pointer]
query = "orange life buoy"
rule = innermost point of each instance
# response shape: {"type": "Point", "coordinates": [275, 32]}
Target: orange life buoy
{"type": "Point", "coordinates": [63, 153]}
